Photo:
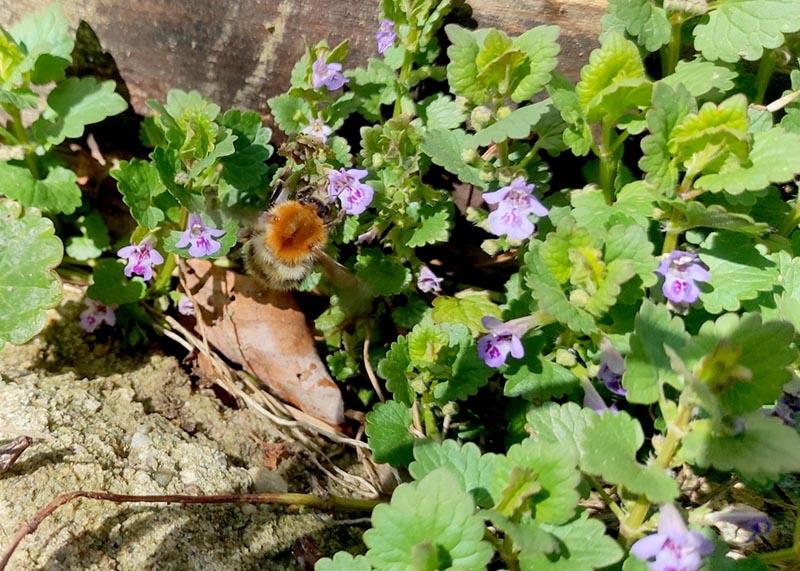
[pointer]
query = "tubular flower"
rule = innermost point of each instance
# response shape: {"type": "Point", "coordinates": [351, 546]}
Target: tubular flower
{"type": "Point", "coordinates": [501, 340]}
{"type": "Point", "coordinates": [681, 271]}
{"type": "Point", "coordinates": [200, 238]}
{"type": "Point", "coordinates": [674, 547]}
{"type": "Point", "coordinates": [96, 314]}
{"type": "Point", "coordinates": [514, 205]}
{"type": "Point", "coordinates": [385, 36]}
{"type": "Point", "coordinates": [346, 185]}
{"type": "Point", "coordinates": [428, 281]}
{"type": "Point", "coordinates": [141, 258]}
{"type": "Point", "coordinates": [327, 74]}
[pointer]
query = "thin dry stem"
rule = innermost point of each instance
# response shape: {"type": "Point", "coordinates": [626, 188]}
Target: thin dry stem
{"type": "Point", "coordinates": [370, 373]}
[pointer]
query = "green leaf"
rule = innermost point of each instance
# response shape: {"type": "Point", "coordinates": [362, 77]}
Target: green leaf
{"type": "Point", "coordinates": [384, 275]}
{"type": "Point", "coordinates": [57, 192]}
{"type": "Point", "coordinates": [72, 105]}
{"type": "Point", "coordinates": [670, 107]}
{"type": "Point", "coordinates": [613, 82]}
{"type": "Point", "coordinates": [48, 44]}
{"type": "Point", "coordinates": [93, 239]}
{"type": "Point", "coordinates": [561, 424]}
{"type": "Point", "coordinates": [244, 173]}
{"type": "Point", "coordinates": [534, 377]}
{"type": "Point", "coordinates": [29, 252]}
{"type": "Point", "coordinates": [226, 241]}
{"type": "Point", "coordinates": [517, 125]}
{"type": "Point", "coordinates": [343, 561]}
{"type": "Point", "coordinates": [765, 448]}
{"type": "Point", "coordinates": [111, 287]}
{"type": "Point", "coordinates": [610, 443]}
{"type": "Point", "coordinates": [739, 271]}
{"type": "Point", "coordinates": [468, 307]}
{"type": "Point", "coordinates": [631, 243]}
{"type": "Point", "coordinates": [633, 204]}
{"type": "Point", "coordinates": [577, 135]}
{"type": "Point", "coordinates": [468, 372]}
{"type": "Point", "coordinates": [143, 192]}
{"type": "Point", "coordinates": [448, 526]}
{"type": "Point", "coordinates": [462, 71]}
{"type": "Point", "coordinates": [529, 539]}
{"type": "Point", "coordinates": [647, 365]}
{"type": "Point", "coordinates": [394, 367]}
{"type": "Point", "coordinates": [388, 433]}
{"type": "Point", "coordinates": [290, 113]}
{"type": "Point", "coordinates": [771, 161]}
{"type": "Point", "coordinates": [583, 546]}
{"type": "Point", "coordinates": [473, 470]}
{"type": "Point", "coordinates": [542, 49]}
{"type": "Point", "coordinates": [693, 214]}
{"type": "Point", "coordinates": [742, 29]}
{"type": "Point", "coordinates": [443, 113]}
{"type": "Point", "coordinates": [444, 147]}
{"type": "Point", "coordinates": [643, 20]}
{"type": "Point", "coordinates": [431, 229]}
{"type": "Point", "coordinates": [700, 77]}
{"type": "Point", "coordinates": [552, 469]}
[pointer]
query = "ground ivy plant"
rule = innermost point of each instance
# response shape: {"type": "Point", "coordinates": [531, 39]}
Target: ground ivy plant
{"type": "Point", "coordinates": [581, 299]}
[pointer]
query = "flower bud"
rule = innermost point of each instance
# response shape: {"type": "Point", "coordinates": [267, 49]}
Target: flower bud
{"type": "Point", "coordinates": [480, 116]}
{"type": "Point", "coordinates": [503, 112]}
{"type": "Point", "coordinates": [377, 160]}
{"type": "Point", "coordinates": [469, 155]}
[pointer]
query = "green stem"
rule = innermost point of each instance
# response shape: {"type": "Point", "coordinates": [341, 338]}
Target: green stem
{"type": "Point", "coordinates": [428, 418]}
{"type": "Point", "coordinates": [165, 273]}
{"type": "Point", "coordinates": [22, 138]}
{"type": "Point", "coordinates": [612, 505]}
{"type": "Point", "coordinates": [793, 220]}
{"type": "Point", "coordinates": [765, 69]}
{"type": "Point", "coordinates": [502, 153]}
{"type": "Point", "coordinates": [402, 83]}
{"type": "Point", "coordinates": [530, 154]}
{"type": "Point", "coordinates": [773, 557]}
{"type": "Point", "coordinates": [607, 163]}
{"type": "Point", "coordinates": [674, 47]}
{"type": "Point", "coordinates": [630, 528]}
{"type": "Point", "coordinates": [670, 240]}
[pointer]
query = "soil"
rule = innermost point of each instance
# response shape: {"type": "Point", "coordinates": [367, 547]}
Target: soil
{"type": "Point", "coordinates": [129, 421]}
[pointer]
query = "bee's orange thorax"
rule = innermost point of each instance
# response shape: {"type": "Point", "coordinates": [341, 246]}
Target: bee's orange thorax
{"type": "Point", "coordinates": [295, 230]}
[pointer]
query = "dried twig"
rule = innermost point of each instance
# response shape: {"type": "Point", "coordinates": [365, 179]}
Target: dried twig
{"type": "Point", "coordinates": [11, 451]}
{"type": "Point", "coordinates": [328, 503]}
{"type": "Point", "coordinates": [370, 373]}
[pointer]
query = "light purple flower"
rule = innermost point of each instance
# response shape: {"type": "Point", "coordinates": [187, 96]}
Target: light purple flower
{"type": "Point", "coordinates": [501, 340]}
{"type": "Point", "coordinates": [367, 237]}
{"type": "Point", "coordinates": [200, 238]}
{"type": "Point", "coordinates": [96, 314]}
{"type": "Point", "coordinates": [141, 258]}
{"type": "Point", "coordinates": [327, 74]}
{"type": "Point", "coordinates": [185, 306]}
{"type": "Point", "coordinates": [317, 129]}
{"type": "Point", "coordinates": [681, 270]}
{"type": "Point", "coordinates": [752, 522]}
{"type": "Point", "coordinates": [515, 203]}
{"type": "Point", "coordinates": [428, 281]}
{"type": "Point", "coordinates": [612, 366]}
{"type": "Point", "coordinates": [674, 547]}
{"type": "Point", "coordinates": [345, 185]}
{"type": "Point", "coordinates": [385, 35]}
{"type": "Point", "coordinates": [593, 400]}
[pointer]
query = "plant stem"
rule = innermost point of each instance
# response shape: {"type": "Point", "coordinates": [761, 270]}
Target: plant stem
{"type": "Point", "coordinates": [612, 505]}
{"type": "Point", "coordinates": [630, 528]}
{"type": "Point", "coordinates": [431, 429]}
{"type": "Point", "coordinates": [607, 166]}
{"type": "Point", "coordinates": [165, 273]}
{"type": "Point", "coordinates": [673, 53]}
{"type": "Point", "coordinates": [308, 500]}
{"type": "Point", "coordinates": [530, 154]}
{"type": "Point", "coordinates": [22, 139]}
{"type": "Point", "coordinates": [402, 83]}
{"type": "Point", "coordinates": [793, 220]}
{"type": "Point", "coordinates": [765, 69]}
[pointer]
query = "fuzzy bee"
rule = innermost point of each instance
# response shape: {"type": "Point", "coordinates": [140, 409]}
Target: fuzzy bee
{"type": "Point", "coordinates": [284, 243]}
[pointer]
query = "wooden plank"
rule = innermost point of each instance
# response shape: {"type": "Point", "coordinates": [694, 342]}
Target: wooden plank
{"type": "Point", "coordinates": [241, 52]}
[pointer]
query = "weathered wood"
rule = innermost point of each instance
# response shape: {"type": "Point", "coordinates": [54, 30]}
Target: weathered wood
{"type": "Point", "coordinates": [240, 52]}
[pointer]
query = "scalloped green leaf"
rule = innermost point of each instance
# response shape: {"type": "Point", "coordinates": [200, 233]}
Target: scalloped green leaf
{"type": "Point", "coordinates": [610, 444]}
{"type": "Point", "coordinates": [699, 77]}
{"type": "Point", "coordinates": [431, 229]}
{"type": "Point", "coordinates": [631, 243]}
{"type": "Point", "coordinates": [443, 113]}
{"type": "Point", "coordinates": [541, 45]}
{"type": "Point", "coordinates": [739, 271]}
{"type": "Point", "coordinates": [467, 307]}
{"type": "Point", "coordinates": [57, 192]}
{"type": "Point", "coordinates": [552, 469]}
{"type": "Point", "coordinates": [447, 526]}
{"type": "Point", "coordinates": [290, 113]}
{"type": "Point", "coordinates": [462, 71]}
{"type": "Point", "coordinates": [394, 368]}
{"type": "Point", "coordinates": [692, 214]}
{"type": "Point", "coordinates": [29, 252]}
{"type": "Point", "coordinates": [764, 448]}
{"type": "Point", "coordinates": [382, 274]}
{"type": "Point", "coordinates": [343, 561]}
{"type": "Point", "coordinates": [772, 160]}
{"type": "Point", "coordinates": [560, 424]}
{"type": "Point", "coordinates": [93, 240]}
{"type": "Point", "coordinates": [517, 125]}
{"type": "Point", "coordinates": [110, 286]}
{"type": "Point", "coordinates": [389, 433]}
{"type": "Point", "coordinates": [468, 372]}
{"type": "Point", "coordinates": [647, 364]}
{"type": "Point", "coordinates": [534, 377]}
{"type": "Point", "coordinates": [583, 546]}
{"type": "Point", "coordinates": [473, 469]}
{"type": "Point", "coordinates": [48, 44]}
{"type": "Point", "coordinates": [742, 29]}
{"type": "Point", "coordinates": [143, 192]}
{"type": "Point", "coordinates": [444, 147]}
{"type": "Point", "coordinates": [641, 19]}
{"type": "Point", "coordinates": [73, 104]}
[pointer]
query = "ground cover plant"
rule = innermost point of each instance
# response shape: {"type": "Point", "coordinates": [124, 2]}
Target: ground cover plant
{"type": "Point", "coordinates": [569, 310]}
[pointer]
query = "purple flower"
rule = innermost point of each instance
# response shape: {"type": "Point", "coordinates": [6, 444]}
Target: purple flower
{"type": "Point", "coordinates": [515, 203]}
{"type": "Point", "coordinates": [367, 237]}
{"type": "Point", "coordinates": [752, 522]}
{"type": "Point", "coordinates": [318, 130]}
{"type": "Point", "coordinates": [141, 258]}
{"type": "Point", "coordinates": [385, 35]}
{"type": "Point", "coordinates": [681, 270]}
{"type": "Point", "coordinates": [96, 314]}
{"type": "Point", "coordinates": [200, 238]}
{"type": "Point", "coordinates": [674, 547]}
{"type": "Point", "coordinates": [593, 400]}
{"type": "Point", "coordinates": [502, 339]}
{"type": "Point", "coordinates": [345, 185]}
{"type": "Point", "coordinates": [428, 281]}
{"type": "Point", "coordinates": [185, 306]}
{"type": "Point", "coordinates": [327, 74]}
{"type": "Point", "coordinates": [612, 366]}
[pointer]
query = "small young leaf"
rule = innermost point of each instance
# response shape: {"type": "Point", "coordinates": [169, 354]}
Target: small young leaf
{"type": "Point", "coordinates": [29, 252]}
{"type": "Point", "coordinates": [110, 286]}
{"type": "Point", "coordinates": [388, 433]}
{"type": "Point", "coordinates": [467, 308]}
{"type": "Point", "coordinates": [431, 229]}
{"type": "Point", "coordinates": [291, 113]}
{"type": "Point", "coordinates": [57, 192]}
{"type": "Point", "coordinates": [394, 368]}
{"type": "Point", "coordinates": [517, 125]}
{"type": "Point", "coordinates": [742, 29]}
{"type": "Point", "coordinates": [448, 526]}
{"type": "Point", "coordinates": [462, 71]}
{"type": "Point", "coordinates": [700, 77]}
{"type": "Point", "coordinates": [540, 44]}
{"type": "Point", "coordinates": [642, 19]}
{"type": "Point", "coordinates": [443, 113]}
{"type": "Point", "coordinates": [609, 445]}
{"type": "Point", "coordinates": [343, 561]}
{"type": "Point", "coordinates": [48, 44]}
